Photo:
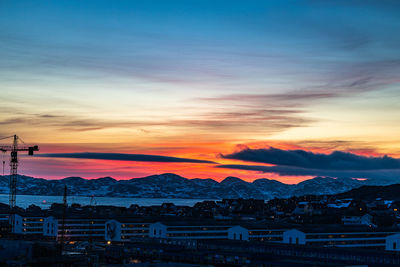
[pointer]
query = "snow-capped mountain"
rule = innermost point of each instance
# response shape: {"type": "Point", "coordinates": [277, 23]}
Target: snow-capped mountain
{"type": "Point", "coordinates": [170, 185]}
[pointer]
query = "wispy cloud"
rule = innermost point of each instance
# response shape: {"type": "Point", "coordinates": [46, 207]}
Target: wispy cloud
{"type": "Point", "coordinates": [249, 120]}
{"type": "Point", "coordinates": [282, 100]}
{"type": "Point", "coordinates": [67, 122]}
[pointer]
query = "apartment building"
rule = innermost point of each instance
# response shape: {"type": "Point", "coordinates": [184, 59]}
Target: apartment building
{"type": "Point", "coordinates": [188, 230]}
{"type": "Point", "coordinates": [339, 237]}
{"type": "Point", "coordinates": [256, 233]}
{"type": "Point", "coordinates": [125, 230]}
{"type": "Point", "coordinates": [76, 229]}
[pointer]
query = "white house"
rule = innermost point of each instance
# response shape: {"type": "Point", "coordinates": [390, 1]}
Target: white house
{"type": "Point", "coordinates": [294, 236]}
{"type": "Point", "coordinates": [393, 242]}
{"type": "Point", "coordinates": [158, 230]}
{"type": "Point", "coordinates": [50, 226]}
{"type": "Point", "coordinates": [238, 233]}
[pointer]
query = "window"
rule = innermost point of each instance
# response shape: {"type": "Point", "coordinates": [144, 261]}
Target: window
{"type": "Point", "coordinates": [394, 245]}
{"type": "Point", "coordinates": [297, 240]}
{"type": "Point", "coordinates": [234, 236]}
{"type": "Point", "coordinates": [155, 232]}
{"type": "Point", "coordinates": [240, 236]}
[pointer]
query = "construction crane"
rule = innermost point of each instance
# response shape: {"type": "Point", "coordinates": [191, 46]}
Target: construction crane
{"type": "Point", "coordinates": [14, 149]}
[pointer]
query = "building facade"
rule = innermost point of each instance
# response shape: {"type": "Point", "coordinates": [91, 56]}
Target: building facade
{"type": "Point", "coordinates": [124, 231]}
{"type": "Point", "coordinates": [252, 233]}
{"type": "Point", "coordinates": [103, 230]}
{"type": "Point", "coordinates": [76, 229]}
{"type": "Point", "coordinates": [27, 225]}
{"type": "Point", "coordinates": [344, 239]}
{"type": "Point", "coordinates": [188, 231]}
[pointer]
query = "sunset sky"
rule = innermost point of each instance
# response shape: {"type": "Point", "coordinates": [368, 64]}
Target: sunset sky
{"type": "Point", "coordinates": [207, 82]}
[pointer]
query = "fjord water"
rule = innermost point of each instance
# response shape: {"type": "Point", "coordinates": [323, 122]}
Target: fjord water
{"type": "Point", "coordinates": [44, 202]}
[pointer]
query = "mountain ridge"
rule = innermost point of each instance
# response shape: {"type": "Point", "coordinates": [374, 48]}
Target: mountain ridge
{"type": "Point", "coordinates": [170, 185]}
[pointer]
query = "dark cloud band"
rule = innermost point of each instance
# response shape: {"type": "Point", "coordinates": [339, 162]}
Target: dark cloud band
{"type": "Point", "coordinates": [384, 176]}
{"type": "Point", "coordinates": [121, 156]}
{"type": "Point", "coordinates": [303, 159]}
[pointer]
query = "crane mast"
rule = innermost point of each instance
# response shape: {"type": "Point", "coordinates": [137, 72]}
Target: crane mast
{"type": "Point", "coordinates": [13, 173]}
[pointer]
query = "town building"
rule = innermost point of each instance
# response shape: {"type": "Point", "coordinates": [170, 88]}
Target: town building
{"type": "Point", "coordinates": [76, 229]}
{"type": "Point", "coordinates": [365, 219]}
{"type": "Point", "coordinates": [189, 230]}
{"type": "Point", "coordinates": [124, 231]}
{"type": "Point", "coordinates": [255, 233]}
{"type": "Point", "coordinates": [27, 225]}
{"type": "Point", "coordinates": [393, 242]}
{"type": "Point", "coordinates": [338, 237]}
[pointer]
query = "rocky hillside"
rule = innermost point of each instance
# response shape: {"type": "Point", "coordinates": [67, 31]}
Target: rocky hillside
{"type": "Point", "coordinates": [174, 186]}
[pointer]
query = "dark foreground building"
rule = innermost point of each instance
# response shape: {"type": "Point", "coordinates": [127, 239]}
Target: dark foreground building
{"type": "Point", "coordinates": [242, 253]}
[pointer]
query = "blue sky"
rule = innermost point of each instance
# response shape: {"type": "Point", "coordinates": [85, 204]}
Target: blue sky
{"type": "Point", "coordinates": [163, 75]}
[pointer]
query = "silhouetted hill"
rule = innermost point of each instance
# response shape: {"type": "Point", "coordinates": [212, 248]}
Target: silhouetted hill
{"type": "Point", "coordinates": [391, 192]}
{"type": "Point", "coordinates": [170, 185]}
